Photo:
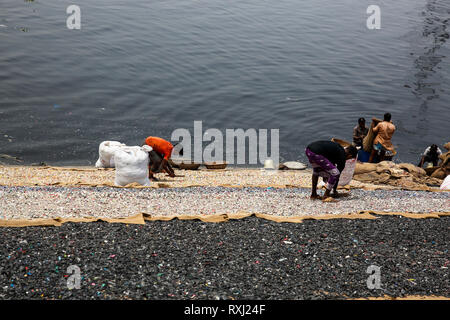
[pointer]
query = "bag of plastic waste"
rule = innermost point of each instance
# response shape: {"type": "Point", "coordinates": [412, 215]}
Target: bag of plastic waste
{"type": "Point", "coordinates": [106, 152]}
{"type": "Point", "coordinates": [446, 184]}
{"type": "Point", "coordinates": [347, 173]}
{"type": "Point", "coordinates": [132, 165]}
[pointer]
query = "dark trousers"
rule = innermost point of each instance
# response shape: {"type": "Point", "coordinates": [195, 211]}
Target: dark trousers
{"type": "Point", "coordinates": [155, 161]}
{"type": "Point", "coordinates": [434, 160]}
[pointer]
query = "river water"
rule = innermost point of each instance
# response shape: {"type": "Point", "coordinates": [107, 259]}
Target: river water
{"type": "Point", "coordinates": [147, 67]}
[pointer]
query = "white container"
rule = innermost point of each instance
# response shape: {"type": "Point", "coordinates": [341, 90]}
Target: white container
{"type": "Point", "coordinates": [268, 164]}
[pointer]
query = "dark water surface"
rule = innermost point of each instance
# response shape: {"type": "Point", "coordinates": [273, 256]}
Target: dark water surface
{"type": "Point", "coordinates": [147, 67]}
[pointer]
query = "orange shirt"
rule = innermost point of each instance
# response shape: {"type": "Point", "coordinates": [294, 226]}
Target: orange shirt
{"type": "Point", "coordinates": [160, 145]}
{"type": "Point", "coordinates": [384, 131]}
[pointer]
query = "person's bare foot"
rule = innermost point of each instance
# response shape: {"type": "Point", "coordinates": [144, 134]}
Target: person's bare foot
{"type": "Point", "coordinates": [328, 199]}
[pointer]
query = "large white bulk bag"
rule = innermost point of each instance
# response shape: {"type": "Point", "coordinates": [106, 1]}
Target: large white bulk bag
{"type": "Point", "coordinates": [106, 152]}
{"type": "Point", "coordinates": [347, 173]}
{"type": "Point", "coordinates": [446, 184]}
{"type": "Point", "coordinates": [132, 165]}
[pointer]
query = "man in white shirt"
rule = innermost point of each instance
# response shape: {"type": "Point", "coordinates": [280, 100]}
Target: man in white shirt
{"type": "Point", "coordinates": [431, 154]}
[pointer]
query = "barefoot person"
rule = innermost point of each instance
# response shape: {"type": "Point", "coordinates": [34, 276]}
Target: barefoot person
{"type": "Point", "coordinates": [159, 157]}
{"type": "Point", "coordinates": [382, 142]}
{"type": "Point", "coordinates": [328, 160]}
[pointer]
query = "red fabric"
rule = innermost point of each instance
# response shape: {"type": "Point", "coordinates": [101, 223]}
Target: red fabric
{"type": "Point", "coordinates": [161, 146]}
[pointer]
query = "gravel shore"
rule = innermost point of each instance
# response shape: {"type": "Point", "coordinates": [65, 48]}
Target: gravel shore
{"type": "Point", "coordinates": [249, 258]}
{"type": "Point", "coordinates": [95, 177]}
{"type": "Point", "coordinates": [241, 259]}
{"type": "Point", "coordinates": [69, 202]}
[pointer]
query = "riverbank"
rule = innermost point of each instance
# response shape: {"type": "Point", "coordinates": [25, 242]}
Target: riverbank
{"type": "Point", "coordinates": [148, 243]}
{"type": "Point", "coordinates": [230, 177]}
{"type": "Point", "coordinates": [42, 193]}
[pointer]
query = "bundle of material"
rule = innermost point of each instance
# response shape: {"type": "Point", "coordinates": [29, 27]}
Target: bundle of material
{"type": "Point", "coordinates": [368, 139]}
{"type": "Point", "coordinates": [403, 175]}
{"type": "Point", "coordinates": [443, 170]}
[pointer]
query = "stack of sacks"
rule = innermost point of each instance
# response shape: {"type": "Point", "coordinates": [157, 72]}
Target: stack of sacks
{"type": "Point", "coordinates": [404, 175]}
{"type": "Point", "coordinates": [131, 163]}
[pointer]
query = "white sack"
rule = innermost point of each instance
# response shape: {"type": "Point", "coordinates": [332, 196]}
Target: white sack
{"type": "Point", "coordinates": [446, 184]}
{"type": "Point", "coordinates": [347, 173]}
{"type": "Point", "coordinates": [132, 165]}
{"type": "Point", "coordinates": [106, 152]}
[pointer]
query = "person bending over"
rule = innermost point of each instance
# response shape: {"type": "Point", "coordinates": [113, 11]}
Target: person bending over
{"type": "Point", "coordinates": [431, 154]}
{"type": "Point", "coordinates": [159, 157]}
{"type": "Point", "coordinates": [328, 160]}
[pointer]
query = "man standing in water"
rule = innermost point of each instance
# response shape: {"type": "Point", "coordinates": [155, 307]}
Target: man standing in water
{"type": "Point", "coordinates": [159, 157]}
{"type": "Point", "coordinates": [359, 132]}
{"type": "Point", "coordinates": [382, 142]}
{"type": "Point", "coordinates": [328, 160]}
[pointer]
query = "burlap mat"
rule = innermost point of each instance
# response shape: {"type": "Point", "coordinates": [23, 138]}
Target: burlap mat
{"type": "Point", "coordinates": [142, 217]}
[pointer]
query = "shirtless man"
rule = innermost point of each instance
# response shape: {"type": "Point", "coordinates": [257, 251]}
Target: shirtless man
{"type": "Point", "coordinates": [382, 142]}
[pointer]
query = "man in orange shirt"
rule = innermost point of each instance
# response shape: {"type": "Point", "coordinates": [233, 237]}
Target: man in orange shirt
{"type": "Point", "coordinates": [159, 157]}
{"type": "Point", "coordinates": [382, 142]}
